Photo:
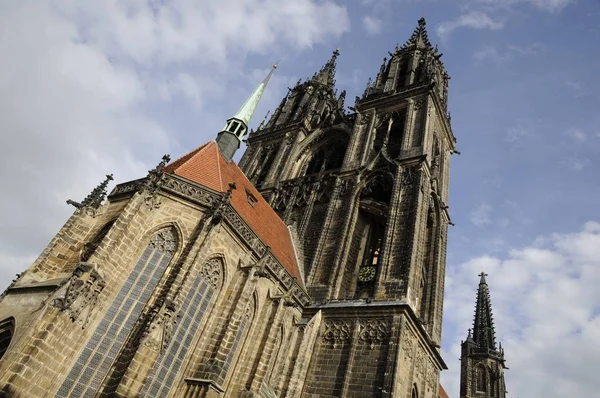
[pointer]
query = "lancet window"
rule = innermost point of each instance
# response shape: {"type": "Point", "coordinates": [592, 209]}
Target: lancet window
{"type": "Point", "coordinates": [390, 132]}
{"type": "Point", "coordinates": [327, 157]}
{"type": "Point", "coordinates": [481, 382]}
{"type": "Point", "coordinates": [94, 363]}
{"type": "Point", "coordinates": [195, 306]}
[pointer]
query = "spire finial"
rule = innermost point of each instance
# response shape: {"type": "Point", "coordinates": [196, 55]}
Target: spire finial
{"type": "Point", "coordinates": [95, 198]}
{"type": "Point", "coordinates": [482, 276]}
{"type": "Point", "coordinates": [327, 73]}
{"type": "Point", "coordinates": [419, 37]}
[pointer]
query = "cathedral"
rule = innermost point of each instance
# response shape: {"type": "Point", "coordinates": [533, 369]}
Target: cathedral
{"type": "Point", "coordinates": [313, 268]}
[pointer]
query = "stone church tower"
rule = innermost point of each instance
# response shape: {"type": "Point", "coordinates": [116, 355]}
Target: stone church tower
{"type": "Point", "coordinates": [314, 269]}
{"type": "Point", "coordinates": [482, 362]}
{"type": "Point", "coordinates": [366, 193]}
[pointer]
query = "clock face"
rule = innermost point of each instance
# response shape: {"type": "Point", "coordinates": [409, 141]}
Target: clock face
{"type": "Point", "coordinates": [366, 274]}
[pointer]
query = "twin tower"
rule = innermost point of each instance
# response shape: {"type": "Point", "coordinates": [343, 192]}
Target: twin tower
{"type": "Point", "coordinates": [314, 269]}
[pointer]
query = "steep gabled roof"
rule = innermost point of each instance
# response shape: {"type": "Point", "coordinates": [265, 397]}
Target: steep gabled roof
{"type": "Point", "coordinates": [206, 166]}
{"type": "Point", "coordinates": [442, 393]}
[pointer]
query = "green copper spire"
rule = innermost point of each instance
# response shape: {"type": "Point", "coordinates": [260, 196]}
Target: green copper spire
{"type": "Point", "coordinates": [246, 111]}
{"type": "Point", "coordinates": [237, 126]}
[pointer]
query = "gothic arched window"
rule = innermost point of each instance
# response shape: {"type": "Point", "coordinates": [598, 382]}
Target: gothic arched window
{"type": "Point", "coordinates": [402, 73]}
{"type": "Point", "coordinates": [480, 379]}
{"type": "Point", "coordinates": [327, 157]}
{"type": "Point", "coordinates": [94, 363]}
{"type": "Point", "coordinates": [396, 134]}
{"type": "Point", "coordinates": [195, 306]}
{"type": "Point", "coordinates": [390, 131]}
{"type": "Point", "coordinates": [430, 247]}
{"type": "Point", "coordinates": [7, 330]}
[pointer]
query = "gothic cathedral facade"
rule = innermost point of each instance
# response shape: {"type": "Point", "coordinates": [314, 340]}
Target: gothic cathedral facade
{"type": "Point", "coordinates": [314, 269]}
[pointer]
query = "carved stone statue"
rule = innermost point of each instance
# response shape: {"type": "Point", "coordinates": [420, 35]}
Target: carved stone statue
{"type": "Point", "coordinates": [80, 293]}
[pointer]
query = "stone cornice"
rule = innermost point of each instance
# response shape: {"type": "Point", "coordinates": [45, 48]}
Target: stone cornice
{"type": "Point", "coordinates": [391, 97]}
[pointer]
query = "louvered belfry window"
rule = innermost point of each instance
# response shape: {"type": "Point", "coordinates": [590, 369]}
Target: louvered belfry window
{"type": "Point", "coordinates": [93, 364]}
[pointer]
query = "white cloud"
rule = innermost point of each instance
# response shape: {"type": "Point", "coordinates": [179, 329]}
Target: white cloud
{"type": "Point", "coordinates": [575, 87]}
{"type": "Point", "coordinates": [577, 134]}
{"type": "Point", "coordinates": [492, 54]}
{"type": "Point", "coordinates": [522, 130]}
{"type": "Point", "coordinates": [532, 49]}
{"type": "Point", "coordinates": [372, 25]}
{"type": "Point", "coordinates": [482, 215]}
{"type": "Point", "coordinates": [83, 85]}
{"type": "Point", "coordinates": [472, 19]}
{"type": "Point", "coordinates": [546, 308]}
{"type": "Point", "coordinates": [546, 5]}
{"type": "Point", "coordinates": [501, 56]}
{"type": "Point", "coordinates": [575, 163]}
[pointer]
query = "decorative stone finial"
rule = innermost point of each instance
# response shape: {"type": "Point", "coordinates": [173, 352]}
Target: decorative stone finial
{"type": "Point", "coordinates": [96, 197]}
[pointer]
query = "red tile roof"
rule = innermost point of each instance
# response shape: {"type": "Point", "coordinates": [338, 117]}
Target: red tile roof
{"type": "Point", "coordinates": [443, 393]}
{"type": "Point", "coordinates": [206, 166]}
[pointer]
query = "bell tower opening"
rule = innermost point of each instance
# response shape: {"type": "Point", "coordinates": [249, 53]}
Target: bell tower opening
{"type": "Point", "coordinates": [371, 254]}
{"type": "Point", "coordinates": [326, 158]}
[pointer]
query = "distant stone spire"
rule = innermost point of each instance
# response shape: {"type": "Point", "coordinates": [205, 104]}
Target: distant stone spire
{"type": "Point", "coordinates": [484, 334]}
{"type": "Point", "coordinates": [237, 126]}
{"type": "Point", "coordinates": [327, 73]}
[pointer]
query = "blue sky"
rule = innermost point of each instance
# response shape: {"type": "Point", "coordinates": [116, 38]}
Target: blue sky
{"type": "Point", "coordinates": [89, 89]}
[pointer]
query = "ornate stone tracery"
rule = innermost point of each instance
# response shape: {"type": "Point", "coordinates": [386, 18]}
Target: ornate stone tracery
{"type": "Point", "coordinates": [212, 271]}
{"type": "Point", "coordinates": [408, 345]}
{"type": "Point", "coordinates": [337, 331]}
{"type": "Point", "coordinates": [374, 331]}
{"type": "Point", "coordinates": [165, 240]}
